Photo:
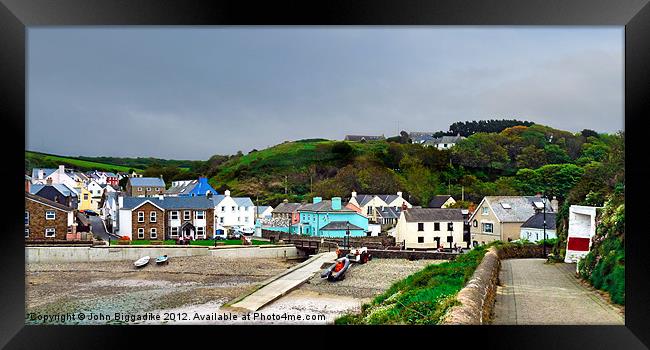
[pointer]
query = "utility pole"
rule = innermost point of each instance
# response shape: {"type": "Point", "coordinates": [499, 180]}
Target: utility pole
{"type": "Point", "coordinates": [462, 193]}
{"type": "Point", "coordinates": [286, 183]}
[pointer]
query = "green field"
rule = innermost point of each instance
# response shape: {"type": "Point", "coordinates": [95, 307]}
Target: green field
{"type": "Point", "coordinates": [52, 161]}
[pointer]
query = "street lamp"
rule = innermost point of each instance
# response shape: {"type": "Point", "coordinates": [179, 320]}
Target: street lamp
{"type": "Point", "coordinates": [347, 235]}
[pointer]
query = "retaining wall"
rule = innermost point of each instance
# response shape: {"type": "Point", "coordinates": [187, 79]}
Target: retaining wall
{"type": "Point", "coordinates": [479, 294]}
{"type": "Point", "coordinates": [407, 254]}
{"type": "Point", "coordinates": [62, 254]}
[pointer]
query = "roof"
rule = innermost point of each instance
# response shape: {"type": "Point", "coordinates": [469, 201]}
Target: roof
{"type": "Point", "coordinates": [420, 137]}
{"type": "Point", "coordinates": [433, 214]}
{"type": "Point", "coordinates": [363, 199]}
{"type": "Point", "coordinates": [537, 221]}
{"type": "Point", "coordinates": [447, 139]}
{"type": "Point", "coordinates": [110, 174]}
{"type": "Point", "coordinates": [201, 187]}
{"type": "Point", "coordinates": [147, 181]}
{"type": "Point", "coordinates": [389, 213]}
{"type": "Point", "coordinates": [48, 202]}
{"type": "Point", "coordinates": [262, 208]}
{"type": "Point", "coordinates": [240, 201]}
{"type": "Point", "coordinates": [170, 202]}
{"type": "Point", "coordinates": [341, 225]}
{"type": "Point", "coordinates": [287, 207]}
{"type": "Point", "coordinates": [183, 188]}
{"type": "Point", "coordinates": [47, 172]}
{"type": "Point", "coordinates": [324, 206]}
{"type": "Point", "coordinates": [438, 201]}
{"type": "Point", "coordinates": [364, 137]}
{"type": "Point", "coordinates": [521, 207]}
{"type": "Point", "coordinates": [61, 188]}
{"type": "Point", "coordinates": [388, 198]}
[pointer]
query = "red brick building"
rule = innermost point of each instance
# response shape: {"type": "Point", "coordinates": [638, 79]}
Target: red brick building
{"type": "Point", "coordinates": [47, 220]}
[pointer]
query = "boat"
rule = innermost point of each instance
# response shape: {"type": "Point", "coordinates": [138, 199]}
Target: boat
{"type": "Point", "coordinates": [337, 270]}
{"type": "Point", "coordinates": [142, 261]}
{"type": "Point", "coordinates": [163, 259]}
{"type": "Point", "coordinates": [359, 255]}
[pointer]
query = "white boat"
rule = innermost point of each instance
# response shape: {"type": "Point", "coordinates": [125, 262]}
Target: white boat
{"type": "Point", "coordinates": [142, 261]}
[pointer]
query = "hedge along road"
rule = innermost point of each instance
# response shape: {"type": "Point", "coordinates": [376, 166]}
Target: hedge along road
{"type": "Point", "coordinates": [535, 293]}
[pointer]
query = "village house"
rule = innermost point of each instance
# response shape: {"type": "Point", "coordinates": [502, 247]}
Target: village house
{"type": "Point", "coordinates": [158, 218]}
{"type": "Point", "coordinates": [48, 220]}
{"type": "Point", "coordinates": [85, 200]}
{"type": "Point", "coordinates": [287, 211]}
{"type": "Point", "coordinates": [199, 187]}
{"type": "Point", "coordinates": [328, 218]}
{"type": "Point", "coordinates": [363, 138]}
{"type": "Point", "coordinates": [533, 228]}
{"type": "Point", "coordinates": [444, 142]}
{"type": "Point", "coordinates": [442, 201]}
{"type": "Point", "coordinates": [420, 137]}
{"type": "Point", "coordinates": [109, 210]}
{"type": "Point", "coordinates": [59, 193]}
{"type": "Point", "coordinates": [264, 211]}
{"type": "Point", "coordinates": [430, 228]}
{"type": "Point", "coordinates": [57, 176]}
{"type": "Point", "coordinates": [372, 204]}
{"type": "Point", "coordinates": [232, 213]}
{"type": "Point", "coordinates": [501, 217]}
{"type": "Point", "coordinates": [145, 186]}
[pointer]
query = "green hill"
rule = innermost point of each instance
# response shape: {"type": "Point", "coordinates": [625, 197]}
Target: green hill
{"type": "Point", "coordinates": [43, 160]}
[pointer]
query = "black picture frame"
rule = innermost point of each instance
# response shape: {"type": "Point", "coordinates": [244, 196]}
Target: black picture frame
{"type": "Point", "coordinates": [16, 15]}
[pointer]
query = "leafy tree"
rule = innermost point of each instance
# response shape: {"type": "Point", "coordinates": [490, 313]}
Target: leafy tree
{"type": "Point", "coordinates": [531, 157]}
{"type": "Point", "coordinates": [556, 155]}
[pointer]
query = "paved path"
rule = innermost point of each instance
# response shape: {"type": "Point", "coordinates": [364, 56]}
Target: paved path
{"type": "Point", "coordinates": [534, 293]}
{"type": "Point", "coordinates": [284, 283]}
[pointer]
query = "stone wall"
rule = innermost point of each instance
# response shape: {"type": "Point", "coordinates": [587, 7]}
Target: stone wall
{"type": "Point", "coordinates": [407, 254]}
{"type": "Point", "coordinates": [376, 241]}
{"type": "Point", "coordinates": [479, 294]}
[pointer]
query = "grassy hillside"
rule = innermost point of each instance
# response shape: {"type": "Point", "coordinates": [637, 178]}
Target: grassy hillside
{"type": "Point", "coordinates": [43, 160]}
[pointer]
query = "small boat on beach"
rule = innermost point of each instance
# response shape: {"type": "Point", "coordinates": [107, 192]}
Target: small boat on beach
{"type": "Point", "coordinates": [337, 270]}
{"type": "Point", "coordinates": [163, 259]}
{"type": "Point", "coordinates": [142, 261]}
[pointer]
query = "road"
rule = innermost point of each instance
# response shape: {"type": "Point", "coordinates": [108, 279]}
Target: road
{"type": "Point", "coordinates": [98, 228]}
{"type": "Point", "coordinates": [535, 293]}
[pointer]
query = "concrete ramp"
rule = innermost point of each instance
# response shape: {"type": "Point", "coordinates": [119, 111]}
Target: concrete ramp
{"type": "Point", "coordinates": [284, 283]}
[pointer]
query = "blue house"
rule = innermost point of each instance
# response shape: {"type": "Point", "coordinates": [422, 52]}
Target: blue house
{"type": "Point", "coordinates": [328, 218]}
{"type": "Point", "coordinates": [201, 188]}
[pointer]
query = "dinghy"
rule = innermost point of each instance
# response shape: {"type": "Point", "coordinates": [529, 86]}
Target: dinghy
{"type": "Point", "coordinates": [337, 270]}
{"type": "Point", "coordinates": [142, 261]}
{"type": "Point", "coordinates": [162, 259]}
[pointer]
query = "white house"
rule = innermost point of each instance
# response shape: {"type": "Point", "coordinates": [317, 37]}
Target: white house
{"type": "Point", "coordinates": [264, 212]}
{"type": "Point", "coordinates": [233, 212]}
{"type": "Point", "coordinates": [430, 228]}
{"type": "Point", "coordinates": [58, 176]}
{"type": "Point", "coordinates": [533, 228]}
{"type": "Point", "coordinates": [370, 204]}
{"type": "Point", "coordinates": [445, 142]}
{"type": "Point", "coordinates": [109, 210]}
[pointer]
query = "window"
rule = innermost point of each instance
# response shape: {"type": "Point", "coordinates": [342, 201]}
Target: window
{"type": "Point", "coordinates": [246, 219]}
{"type": "Point", "coordinates": [26, 233]}
{"type": "Point", "coordinates": [50, 215]}
{"type": "Point", "coordinates": [233, 208]}
{"type": "Point", "coordinates": [173, 232]}
{"type": "Point", "coordinates": [69, 229]}
{"type": "Point", "coordinates": [436, 226]}
{"type": "Point", "coordinates": [200, 214]}
{"type": "Point", "coordinates": [50, 232]}
{"type": "Point", "coordinates": [153, 233]}
{"type": "Point", "coordinates": [239, 219]}
{"type": "Point", "coordinates": [420, 239]}
{"type": "Point", "coordinates": [140, 216]}
{"type": "Point", "coordinates": [186, 215]}
{"type": "Point", "coordinates": [140, 233]}
{"type": "Point", "coordinates": [26, 218]}
{"type": "Point", "coordinates": [369, 210]}
{"type": "Point", "coordinates": [485, 210]}
{"type": "Point", "coordinates": [420, 226]}
{"type": "Point", "coordinates": [152, 216]}
{"type": "Point", "coordinates": [200, 231]}
{"type": "Point", "coordinates": [173, 215]}
{"type": "Point", "coordinates": [475, 223]}
{"type": "Point", "coordinates": [221, 220]}
{"type": "Point", "coordinates": [148, 189]}
{"type": "Point", "coordinates": [85, 196]}
{"type": "Point", "coordinates": [140, 189]}
{"type": "Point", "coordinates": [450, 226]}
{"type": "Point", "coordinates": [488, 227]}
{"type": "Point", "coordinates": [223, 208]}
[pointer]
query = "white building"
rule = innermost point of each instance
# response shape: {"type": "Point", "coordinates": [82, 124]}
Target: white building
{"type": "Point", "coordinates": [445, 142]}
{"type": "Point", "coordinates": [430, 228]}
{"type": "Point", "coordinates": [58, 176]}
{"type": "Point", "coordinates": [231, 213]}
{"type": "Point", "coordinates": [533, 228]}
{"type": "Point", "coordinates": [582, 227]}
{"type": "Point", "coordinates": [371, 204]}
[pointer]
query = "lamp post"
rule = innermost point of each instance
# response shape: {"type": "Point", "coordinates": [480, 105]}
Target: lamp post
{"type": "Point", "coordinates": [544, 225]}
{"type": "Point", "coordinates": [347, 235]}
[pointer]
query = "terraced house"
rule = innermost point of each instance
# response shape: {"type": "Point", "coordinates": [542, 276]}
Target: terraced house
{"type": "Point", "coordinates": [328, 218]}
{"type": "Point", "coordinates": [232, 213]}
{"type": "Point", "coordinates": [430, 228]}
{"type": "Point", "coordinates": [158, 218]}
{"type": "Point", "coordinates": [48, 220]}
{"type": "Point", "coordinates": [145, 186]}
{"type": "Point", "coordinates": [373, 205]}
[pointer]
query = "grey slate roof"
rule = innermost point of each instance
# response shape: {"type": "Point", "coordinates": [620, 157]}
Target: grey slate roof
{"type": "Point", "coordinates": [324, 206]}
{"type": "Point", "coordinates": [287, 208]}
{"type": "Point", "coordinates": [389, 213]}
{"type": "Point", "coordinates": [261, 209]}
{"type": "Point", "coordinates": [433, 214]}
{"type": "Point", "coordinates": [110, 174]}
{"type": "Point", "coordinates": [537, 221]}
{"type": "Point", "coordinates": [340, 225]}
{"type": "Point", "coordinates": [147, 181]}
{"type": "Point", "coordinates": [48, 202]}
{"type": "Point", "coordinates": [61, 188]}
{"type": "Point", "coordinates": [363, 199]}
{"type": "Point", "coordinates": [438, 201]}
{"type": "Point", "coordinates": [420, 137]}
{"type": "Point", "coordinates": [387, 197]}
{"type": "Point", "coordinates": [170, 202]}
{"type": "Point", "coordinates": [447, 139]}
{"type": "Point", "coordinates": [47, 172]}
{"type": "Point", "coordinates": [522, 207]}
{"type": "Point", "coordinates": [182, 189]}
{"type": "Point", "coordinates": [240, 201]}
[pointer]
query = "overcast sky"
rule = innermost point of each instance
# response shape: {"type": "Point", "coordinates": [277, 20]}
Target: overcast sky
{"type": "Point", "coordinates": [189, 93]}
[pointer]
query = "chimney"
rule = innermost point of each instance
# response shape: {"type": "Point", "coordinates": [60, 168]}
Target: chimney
{"type": "Point", "coordinates": [336, 203]}
{"type": "Point", "coordinates": [120, 201]}
{"type": "Point", "coordinates": [227, 193]}
{"type": "Point", "coordinates": [538, 195]}
{"type": "Point", "coordinates": [61, 169]}
{"type": "Point", "coordinates": [399, 194]}
{"type": "Point", "coordinates": [161, 197]}
{"type": "Point", "coordinates": [285, 201]}
{"type": "Point", "coordinates": [49, 181]}
{"type": "Point", "coordinates": [354, 194]}
{"type": "Point", "coordinates": [555, 204]}
{"type": "Point", "coordinates": [317, 200]}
